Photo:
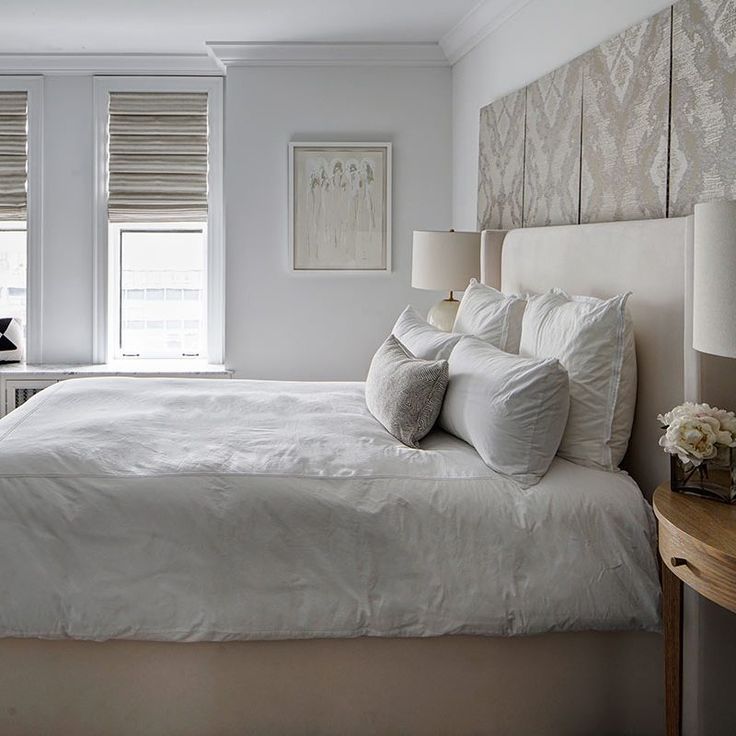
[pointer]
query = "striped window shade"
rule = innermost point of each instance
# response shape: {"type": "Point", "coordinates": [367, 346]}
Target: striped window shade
{"type": "Point", "coordinates": [13, 155]}
{"type": "Point", "coordinates": [157, 157]}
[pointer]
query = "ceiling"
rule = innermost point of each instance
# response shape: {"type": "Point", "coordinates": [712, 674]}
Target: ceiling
{"type": "Point", "coordinates": [183, 26]}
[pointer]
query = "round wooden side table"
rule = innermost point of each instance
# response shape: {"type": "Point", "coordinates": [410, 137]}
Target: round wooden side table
{"type": "Point", "coordinates": [697, 546]}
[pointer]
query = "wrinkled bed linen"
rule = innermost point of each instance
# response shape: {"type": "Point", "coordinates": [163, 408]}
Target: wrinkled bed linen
{"type": "Point", "coordinates": [189, 510]}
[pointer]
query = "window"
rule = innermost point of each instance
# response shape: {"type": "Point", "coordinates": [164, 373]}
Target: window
{"type": "Point", "coordinates": [159, 219]}
{"type": "Point", "coordinates": [13, 270]}
{"type": "Point", "coordinates": [158, 266]}
{"type": "Point", "coordinates": [21, 272]}
{"type": "Point", "coordinates": [13, 203]}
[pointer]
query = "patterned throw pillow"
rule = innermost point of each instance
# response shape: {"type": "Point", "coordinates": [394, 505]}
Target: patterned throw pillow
{"type": "Point", "coordinates": [405, 393]}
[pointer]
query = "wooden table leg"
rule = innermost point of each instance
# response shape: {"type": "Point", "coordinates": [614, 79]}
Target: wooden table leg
{"type": "Point", "coordinates": [672, 617]}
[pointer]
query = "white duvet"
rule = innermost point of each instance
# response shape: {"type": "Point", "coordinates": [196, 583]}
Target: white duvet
{"type": "Point", "coordinates": [210, 510]}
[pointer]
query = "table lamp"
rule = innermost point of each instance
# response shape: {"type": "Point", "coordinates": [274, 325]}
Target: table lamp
{"type": "Point", "coordinates": [444, 261]}
{"type": "Point", "coordinates": [714, 279]}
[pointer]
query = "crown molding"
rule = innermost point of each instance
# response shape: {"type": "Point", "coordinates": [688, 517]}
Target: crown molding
{"type": "Point", "coordinates": [326, 54]}
{"type": "Point", "coordinates": [485, 18]}
{"type": "Point", "coordinates": [47, 64]}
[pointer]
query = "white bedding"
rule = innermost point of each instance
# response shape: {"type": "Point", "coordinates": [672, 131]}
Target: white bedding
{"type": "Point", "coordinates": [212, 510]}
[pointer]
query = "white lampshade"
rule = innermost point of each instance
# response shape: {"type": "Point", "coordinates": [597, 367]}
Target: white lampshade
{"type": "Point", "coordinates": [444, 261]}
{"type": "Point", "coordinates": [714, 279]}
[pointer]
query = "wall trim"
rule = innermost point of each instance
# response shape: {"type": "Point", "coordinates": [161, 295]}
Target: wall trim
{"type": "Point", "coordinates": [480, 22]}
{"type": "Point", "coordinates": [221, 55]}
{"type": "Point", "coordinates": [118, 64]}
{"type": "Point", "coordinates": [326, 54]}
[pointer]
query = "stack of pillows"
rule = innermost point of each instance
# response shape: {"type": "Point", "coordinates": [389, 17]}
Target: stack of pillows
{"type": "Point", "coordinates": [521, 380]}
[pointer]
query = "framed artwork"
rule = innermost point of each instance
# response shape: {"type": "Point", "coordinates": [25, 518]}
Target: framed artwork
{"type": "Point", "coordinates": [340, 206]}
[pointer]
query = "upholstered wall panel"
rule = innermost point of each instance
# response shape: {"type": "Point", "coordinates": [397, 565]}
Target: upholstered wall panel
{"type": "Point", "coordinates": [552, 159]}
{"type": "Point", "coordinates": [625, 122]}
{"type": "Point", "coordinates": [703, 149]}
{"type": "Point", "coordinates": [643, 126]}
{"type": "Point", "coordinates": [501, 163]}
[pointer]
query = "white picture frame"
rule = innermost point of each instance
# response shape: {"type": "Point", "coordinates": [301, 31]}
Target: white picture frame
{"type": "Point", "coordinates": [340, 207]}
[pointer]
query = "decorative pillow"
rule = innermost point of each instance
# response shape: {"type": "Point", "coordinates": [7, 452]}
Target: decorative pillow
{"type": "Point", "coordinates": [421, 339]}
{"type": "Point", "coordinates": [594, 340]}
{"type": "Point", "coordinates": [403, 392]}
{"type": "Point", "coordinates": [491, 316]}
{"type": "Point", "coordinates": [511, 409]}
{"type": "Point", "coordinates": [11, 340]}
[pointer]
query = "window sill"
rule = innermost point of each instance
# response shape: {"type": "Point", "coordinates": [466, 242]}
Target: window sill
{"type": "Point", "coordinates": [132, 367]}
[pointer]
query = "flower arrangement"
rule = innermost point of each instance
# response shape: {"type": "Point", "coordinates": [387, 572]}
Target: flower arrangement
{"type": "Point", "coordinates": [694, 432]}
{"type": "Point", "coordinates": [700, 440]}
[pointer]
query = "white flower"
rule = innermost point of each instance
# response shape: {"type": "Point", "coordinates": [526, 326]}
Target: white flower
{"type": "Point", "coordinates": [688, 409]}
{"type": "Point", "coordinates": [692, 439]}
{"type": "Point", "coordinates": [727, 420]}
{"type": "Point", "coordinates": [690, 417]}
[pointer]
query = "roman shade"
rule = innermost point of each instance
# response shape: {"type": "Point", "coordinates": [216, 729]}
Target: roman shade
{"type": "Point", "coordinates": [157, 157]}
{"type": "Point", "coordinates": [13, 155]}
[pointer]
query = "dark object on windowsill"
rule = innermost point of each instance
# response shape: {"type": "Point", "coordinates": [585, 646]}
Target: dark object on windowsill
{"type": "Point", "coordinates": [714, 479]}
{"type": "Point", "coordinates": [11, 340]}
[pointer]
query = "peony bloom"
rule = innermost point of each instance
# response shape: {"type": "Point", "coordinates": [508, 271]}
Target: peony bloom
{"type": "Point", "coordinates": [727, 420]}
{"type": "Point", "coordinates": [692, 439]}
{"type": "Point", "coordinates": [688, 409]}
{"type": "Point", "coordinates": [694, 431]}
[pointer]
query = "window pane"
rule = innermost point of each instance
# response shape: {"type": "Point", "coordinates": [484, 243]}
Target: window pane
{"type": "Point", "coordinates": [155, 267]}
{"type": "Point", "coordinates": [13, 271]}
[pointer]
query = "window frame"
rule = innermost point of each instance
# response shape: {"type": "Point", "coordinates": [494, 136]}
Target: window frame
{"type": "Point", "coordinates": [33, 87]}
{"type": "Point", "coordinates": [104, 258]}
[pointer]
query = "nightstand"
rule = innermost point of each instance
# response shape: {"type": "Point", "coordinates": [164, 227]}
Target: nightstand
{"type": "Point", "coordinates": [697, 546]}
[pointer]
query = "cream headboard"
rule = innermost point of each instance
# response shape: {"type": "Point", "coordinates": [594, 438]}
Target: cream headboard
{"type": "Point", "coordinates": [652, 259]}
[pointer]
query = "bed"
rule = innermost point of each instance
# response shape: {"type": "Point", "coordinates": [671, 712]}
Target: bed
{"type": "Point", "coordinates": [267, 510]}
{"type": "Point", "coordinates": [396, 583]}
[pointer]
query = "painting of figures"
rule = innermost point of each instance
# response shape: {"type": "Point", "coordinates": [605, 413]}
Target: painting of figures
{"type": "Point", "coordinates": [340, 197]}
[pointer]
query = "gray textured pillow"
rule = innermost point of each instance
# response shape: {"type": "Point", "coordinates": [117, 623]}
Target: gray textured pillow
{"type": "Point", "coordinates": [405, 393]}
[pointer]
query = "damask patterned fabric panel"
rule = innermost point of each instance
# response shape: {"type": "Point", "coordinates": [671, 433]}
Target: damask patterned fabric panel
{"type": "Point", "coordinates": [625, 121]}
{"type": "Point", "coordinates": [552, 160]}
{"type": "Point", "coordinates": [703, 149]}
{"type": "Point", "coordinates": [501, 163]}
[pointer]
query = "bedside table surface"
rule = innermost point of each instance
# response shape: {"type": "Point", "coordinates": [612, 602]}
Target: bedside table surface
{"type": "Point", "coordinates": [697, 547]}
{"type": "Point", "coordinates": [709, 522]}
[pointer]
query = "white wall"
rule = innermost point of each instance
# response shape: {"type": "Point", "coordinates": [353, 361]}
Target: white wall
{"type": "Point", "coordinates": [67, 219]}
{"type": "Point", "coordinates": [287, 325]}
{"type": "Point", "coordinates": [279, 324]}
{"type": "Point", "coordinates": [543, 35]}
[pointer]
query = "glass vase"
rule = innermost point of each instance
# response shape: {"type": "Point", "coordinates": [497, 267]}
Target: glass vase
{"type": "Point", "coordinates": [714, 478]}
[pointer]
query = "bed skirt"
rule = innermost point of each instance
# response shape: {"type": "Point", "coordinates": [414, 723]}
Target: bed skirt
{"type": "Point", "coordinates": [571, 683]}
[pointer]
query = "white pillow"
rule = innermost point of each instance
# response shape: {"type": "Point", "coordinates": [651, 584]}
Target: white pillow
{"type": "Point", "coordinates": [511, 409]}
{"type": "Point", "coordinates": [421, 339]}
{"type": "Point", "coordinates": [594, 340]}
{"type": "Point", "coordinates": [491, 316]}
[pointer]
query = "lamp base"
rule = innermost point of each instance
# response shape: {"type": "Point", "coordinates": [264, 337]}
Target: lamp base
{"type": "Point", "coordinates": [442, 314]}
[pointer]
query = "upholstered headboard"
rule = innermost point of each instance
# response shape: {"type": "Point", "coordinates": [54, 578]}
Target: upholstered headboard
{"type": "Point", "coordinates": [652, 259]}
